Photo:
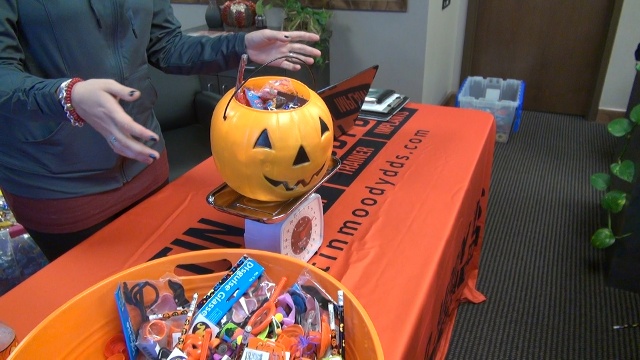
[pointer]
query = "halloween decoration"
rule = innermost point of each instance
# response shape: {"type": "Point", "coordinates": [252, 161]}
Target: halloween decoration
{"type": "Point", "coordinates": [239, 14]}
{"type": "Point", "coordinates": [272, 155]}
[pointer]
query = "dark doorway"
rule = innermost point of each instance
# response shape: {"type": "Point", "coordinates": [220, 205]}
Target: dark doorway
{"type": "Point", "coordinates": [559, 48]}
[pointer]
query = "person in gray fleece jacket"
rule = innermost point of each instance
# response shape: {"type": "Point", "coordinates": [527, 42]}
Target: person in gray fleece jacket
{"type": "Point", "coordinates": [79, 142]}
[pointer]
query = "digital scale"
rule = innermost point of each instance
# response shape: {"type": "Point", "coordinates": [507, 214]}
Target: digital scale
{"type": "Point", "coordinates": [293, 227]}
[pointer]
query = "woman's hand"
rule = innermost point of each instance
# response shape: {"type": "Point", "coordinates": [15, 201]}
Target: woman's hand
{"type": "Point", "coordinates": [96, 101]}
{"type": "Point", "coordinates": [266, 45]}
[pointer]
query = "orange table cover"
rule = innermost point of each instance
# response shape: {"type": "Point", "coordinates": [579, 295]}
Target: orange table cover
{"type": "Point", "coordinates": [404, 224]}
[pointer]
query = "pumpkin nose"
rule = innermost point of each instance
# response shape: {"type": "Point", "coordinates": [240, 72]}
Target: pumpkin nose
{"type": "Point", "coordinates": [301, 157]}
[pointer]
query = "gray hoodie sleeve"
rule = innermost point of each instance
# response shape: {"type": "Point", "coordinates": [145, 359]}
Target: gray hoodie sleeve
{"type": "Point", "coordinates": [22, 94]}
{"type": "Point", "coordinates": [175, 52]}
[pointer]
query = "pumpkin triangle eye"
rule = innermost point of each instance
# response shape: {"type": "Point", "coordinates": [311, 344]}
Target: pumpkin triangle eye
{"type": "Point", "coordinates": [324, 128]}
{"type": "Point", "coordinates": [263, 140]}
{"type": "Point", "coordinates": [301, 157]}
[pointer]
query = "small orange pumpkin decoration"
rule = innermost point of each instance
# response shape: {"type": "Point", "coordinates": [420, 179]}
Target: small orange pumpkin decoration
{"type": "Point", "coordinates": [272, 155]}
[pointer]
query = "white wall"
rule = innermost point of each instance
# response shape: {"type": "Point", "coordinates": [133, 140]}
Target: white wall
{"type": "Point", "coordinates": [427, 68]}
{"type": "Point", "coordinates": [445, 40]}
{"type": "Point", "coordinates": [621, 70]}
{"type": "Point", "coordinates": [394, 40]}
{"type": "Point", "coordinates": [190, 15]}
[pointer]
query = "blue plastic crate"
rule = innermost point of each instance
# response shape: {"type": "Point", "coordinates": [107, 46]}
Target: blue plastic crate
{"type": "Point", "coordinates": [502, 98]}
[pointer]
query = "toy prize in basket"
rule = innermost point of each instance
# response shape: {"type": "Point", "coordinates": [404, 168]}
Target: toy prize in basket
{"type": "Point", "coordinates": [271, 140]}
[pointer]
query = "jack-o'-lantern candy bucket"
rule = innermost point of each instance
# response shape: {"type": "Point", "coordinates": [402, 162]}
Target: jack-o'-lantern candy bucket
{"type": "Point", "coordinates": [272, 155]}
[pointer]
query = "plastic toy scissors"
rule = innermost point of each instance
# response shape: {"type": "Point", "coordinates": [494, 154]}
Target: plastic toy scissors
{"type": "Point", "coordinates": [262, 317]}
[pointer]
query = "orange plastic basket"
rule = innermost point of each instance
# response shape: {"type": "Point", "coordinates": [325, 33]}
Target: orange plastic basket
{"type": "Point", "coordinates": [80, 328]}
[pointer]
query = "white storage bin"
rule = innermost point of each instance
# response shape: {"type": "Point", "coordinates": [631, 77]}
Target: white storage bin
{"type": "Point", "coordinates": [502, 98]}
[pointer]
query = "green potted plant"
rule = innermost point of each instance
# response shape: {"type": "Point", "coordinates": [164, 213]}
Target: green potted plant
{"type": "Point", "coordinates": [615, 200]}
{"type": "Point", "coordinates": [300, 17]}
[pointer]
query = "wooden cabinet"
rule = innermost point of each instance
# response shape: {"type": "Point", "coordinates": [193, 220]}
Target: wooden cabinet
{"type": "Point", "coordinates": [210, 83]}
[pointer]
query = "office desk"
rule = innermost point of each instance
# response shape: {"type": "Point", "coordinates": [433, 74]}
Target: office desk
{"type": "Point", "coordinates": [404, 224]}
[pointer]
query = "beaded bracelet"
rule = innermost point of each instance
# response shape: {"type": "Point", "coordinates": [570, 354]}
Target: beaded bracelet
{"type": "Point", "coordinates": [64, 96]}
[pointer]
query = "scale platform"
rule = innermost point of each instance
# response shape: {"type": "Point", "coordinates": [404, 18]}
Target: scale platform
{"type": "Point", "coordinates": [227, 200]}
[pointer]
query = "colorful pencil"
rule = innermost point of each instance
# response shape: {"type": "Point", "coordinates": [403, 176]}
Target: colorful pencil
{"type": "Point", "coordinates": [340, 308]}
{"type": "Point", "coordinates": [187, 322]}
{"type": "Point", "coordinates": [332, 326]}
{"type": "Point", "coordinates": [168, 314]}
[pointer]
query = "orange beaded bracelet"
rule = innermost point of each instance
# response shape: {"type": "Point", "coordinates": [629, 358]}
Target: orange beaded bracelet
{"type": "Point", "coordinates": [64, 95]}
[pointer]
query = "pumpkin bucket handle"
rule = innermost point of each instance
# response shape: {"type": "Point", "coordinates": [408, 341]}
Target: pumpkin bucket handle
{"type": "Point", "coordinates": [288, 57]}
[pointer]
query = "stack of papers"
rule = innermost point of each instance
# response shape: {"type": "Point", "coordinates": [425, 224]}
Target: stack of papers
{"type": "Point", "coordinates": [382, 104]}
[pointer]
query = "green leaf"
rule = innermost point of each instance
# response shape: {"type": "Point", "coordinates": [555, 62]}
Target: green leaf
{"type": "Point", "coordinates": [620, 127]}
{"type": "Point", "coordinates": [635, 114]}
{"type": "Point", "coordinates": [259, 7]}
{"type": "Point", "coordinates": [603, 238]}
{"type": "Point", "coordinates": [624, 170]}
{"type": "Point", "coordinates": [600, 181]}
{"type": "Point", "coordinates": [614, 201]}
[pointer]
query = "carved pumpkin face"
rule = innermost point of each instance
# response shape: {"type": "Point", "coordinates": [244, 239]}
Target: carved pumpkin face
{"type": "Point", "coordinates": [272, 155]}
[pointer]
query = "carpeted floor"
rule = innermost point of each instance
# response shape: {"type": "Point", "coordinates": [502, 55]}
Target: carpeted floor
{"type": "Point", "coordinates": [546, 291]}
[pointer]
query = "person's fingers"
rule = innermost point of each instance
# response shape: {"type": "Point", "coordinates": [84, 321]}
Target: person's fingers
{"type": "Point", "coordinates": [121, 92]}
{"type": "Point", "coordinates": [260, 37]}
{"type": "Point", "coordinates": [134, 140]}
{"type": "Point", "coordinates": [97, 102]}
{"type": "Point", "coordinates": [294, 36]}
{"type": "Point", "coordinates": [305, 53]}
{"type": "Point", "coordinates": [290, 49]}
{"type": "Point", "coordinates": [296, 61]}
{"type": "Point", "coordinates": [131, 148]}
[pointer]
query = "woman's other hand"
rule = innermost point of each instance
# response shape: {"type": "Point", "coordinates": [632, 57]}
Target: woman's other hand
{"type": "Point", "coordinates": [266, 45]}
{"type": "Point", "coordinates": [96, 101]}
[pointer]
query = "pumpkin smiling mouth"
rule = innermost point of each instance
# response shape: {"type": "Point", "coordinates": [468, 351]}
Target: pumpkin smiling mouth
{"type": "Point", "coordinates": [285, 184]}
